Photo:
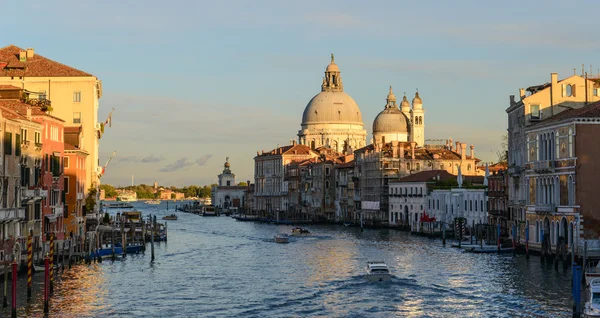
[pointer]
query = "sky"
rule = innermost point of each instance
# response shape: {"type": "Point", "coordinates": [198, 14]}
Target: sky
{"type": "Point", "coordinates": [194, 82]}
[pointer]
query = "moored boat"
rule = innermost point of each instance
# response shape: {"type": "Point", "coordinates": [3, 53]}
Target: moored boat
{"type": "Point", "coordinates": [282, 238]}
{"type": "Point", "coordinates": [152, 202]}
{"type": "Point", "coordinates": [592, 301]}
{"type": "Point", "coordinates": [592, 272]}
{"type": "Point", "coordinates": [118, 205]}
{"type": "Point", "coordinates": [378, 271]}
{"type": "Point", "coordinates": [209, 210]}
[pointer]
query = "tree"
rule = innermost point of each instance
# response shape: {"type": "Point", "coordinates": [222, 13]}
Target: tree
{"type": "Point", "coordinates": [90, 201]}
{"type": "Point", "coordinates": [109, 190]}
{"type": "Point", "coordinates": [502, 154]}
{"type": "Point", "coordinates": [173, 196]}
{"type": "Point", "coordinates": [243, 184]}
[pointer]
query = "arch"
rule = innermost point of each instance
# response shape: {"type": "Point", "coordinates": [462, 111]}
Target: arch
{"type": "Point", "coordinates": [570, 191]}
{"type": "Point", "coordinates": [408, 166]}
{"type": "Point", "coordinates": [418, 166]}
{"type": "Point", "coordinates": [546, 227]}
{"type": "Point", "coordinates": [571, 234]}
{"type": "Point", "coordinates": [406, 213]}
{"type": "Point", "coordinates": [442, 166]}
{"type": "Point", "coordinates": [564, 227]}
{"type": "Point", "coordinates": [568, 91]}
{"type": "Point", "coordinates": [469, 167]}
{"type": "Point", "coordinates": [537, 231]}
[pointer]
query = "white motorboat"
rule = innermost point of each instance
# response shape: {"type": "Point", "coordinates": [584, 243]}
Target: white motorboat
{"type": "Point", "coordinates": [152, 202]}
{"type": "Point", "coordinates": [592, 301]}
{"type": "Point", "coordinates": [300, 231]}
{"type": "Point", "coordinates": [378, 272]}
{"type": "Point", "coordinates": [282, 238]}
{"type": "Point", "coordinates": [592, 272]}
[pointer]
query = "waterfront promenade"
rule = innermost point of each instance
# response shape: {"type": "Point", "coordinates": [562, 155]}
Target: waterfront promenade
{"type": "Point", "coordinates": [218, 267]}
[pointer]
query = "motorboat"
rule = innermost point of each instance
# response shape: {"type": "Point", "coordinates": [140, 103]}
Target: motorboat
{"type": "Point", "coordinates": [282, 238]}
{"type": "Point", "coordinates": [209, 210]}
{"type": "Point", "coordinates": [171, 217]}
{"type": "Point", "coordinates": [152, 202]}
{"type": "Point", "coordinates": [118, 205]}
{"type": "Point", "coordinates": [592, 272]}
{"type": "Point", "coordinates": [300, 231]}
{"type": "Point", "coordinates": [378, 271]}
{"type": "Point", "coordinates": [592, 301]}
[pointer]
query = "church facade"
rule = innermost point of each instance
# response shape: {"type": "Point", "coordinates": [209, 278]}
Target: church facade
{"type": "Point", "coordinates": [228, 195]}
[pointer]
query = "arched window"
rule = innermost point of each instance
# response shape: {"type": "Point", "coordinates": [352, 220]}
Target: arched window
{"type": "Point", "coordinates": [326, 184]}
{"type": "Point", "coordinates": [418, 166]}
{"type": "Point", "coordinates": [465, 205]}
{"type": "Point", "coordinates": [408, 166]}
{"type": "Point", "coordinates": [470, 205]}
{"type": "Point", "coordinates": [469, 167]}
{"type": "Point", "coordinates": [442, 166]}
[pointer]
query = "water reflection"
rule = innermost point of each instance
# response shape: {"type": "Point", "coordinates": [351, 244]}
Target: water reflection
{"type": "Point", "coordinates": [220, 267]}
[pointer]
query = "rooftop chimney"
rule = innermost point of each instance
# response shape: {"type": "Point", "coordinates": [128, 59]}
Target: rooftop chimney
{"type": "Point", "coordinates": [512, 99]}
{"type": "Point", "coordinates": [30, 53]}
{"type": "Point", "coordinates": [412, 150]}
{"type": "Point", "coordinates": [472, 152]}
{"type": "Point", "coordinates": [394, 149]}
{"type": "Point", "coordinates": [22, 56]}
{"type": "Point", "coordinates": [458, 148]}
{"type": "Point", "coordinates": [401, 154]}
{"type": "Point", "coordinates": [463, 151]}
{"type": "Point", "coordinates": [450, 144]}
{"type": "Point", "coordinates": [522, 93]}
{"type": "Point", "coordinates": [554, 78]}
{"type": "Point", "coordinates": [29, 112]}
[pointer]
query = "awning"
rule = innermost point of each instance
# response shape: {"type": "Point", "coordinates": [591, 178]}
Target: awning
{"type": "Point", "coordinates": [51, 217]}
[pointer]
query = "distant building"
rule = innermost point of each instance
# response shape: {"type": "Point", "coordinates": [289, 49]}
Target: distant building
{"type": "Point", "coordinates": [75, 175]}
{"type": "Point", "coordinates": [228, 195]}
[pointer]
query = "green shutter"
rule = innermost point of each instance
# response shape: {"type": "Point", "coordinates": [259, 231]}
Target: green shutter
{"type": "Point", "coordinates": [7, 143]}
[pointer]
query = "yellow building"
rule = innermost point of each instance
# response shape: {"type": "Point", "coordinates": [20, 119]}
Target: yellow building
{"type": "Point", "coordinates": [74, 95]}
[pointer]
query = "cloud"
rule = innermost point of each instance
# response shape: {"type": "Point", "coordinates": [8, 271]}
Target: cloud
{"type": "Point", "coordinates": [202, 160]}
{"type": "Point", "coordinates": [127, 159]}
{"type": "Point", "coordinates": [151, 158]}
{"type": "Point", "coordinates": [183, 163]}
{"type": "Point", "coordinates": [177, 165]}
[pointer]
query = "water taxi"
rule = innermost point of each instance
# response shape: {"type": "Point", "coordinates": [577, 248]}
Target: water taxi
{"type": "Point", "coordinates": [592, 272]}
{"type": "Point", "coordinates": [152, 202]}
{"type": "Point", "coordinates": [209, 210]}
{"type": "Point", "coordinates": [171, 217]}
{"type": "Point", "coordinates": [592, 301]}
{"type": "Point", "coordinates": [282, 238]}
{"type": "Point", "coordinates": [118, 205]}
{"type": "Point", "coordinates": [378, 272]}
{"type": "Point", "coordinates": [300, 231]}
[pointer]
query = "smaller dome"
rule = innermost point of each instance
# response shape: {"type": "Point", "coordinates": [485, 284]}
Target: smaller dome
{"type": "Point", "coordinates": [390, 120]}
{"type": "Point", "coordinates": [332, 68]}
{"type": "Point", "coordinates": [404, 103]}
{"type": "Point", "coordinates": [227, 164]}
{"type": "Point", "coordinates": [417, 99]}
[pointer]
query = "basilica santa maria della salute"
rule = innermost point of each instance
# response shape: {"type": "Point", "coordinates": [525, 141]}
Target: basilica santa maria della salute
{"type": "Point", "coordinates": [333, 119]}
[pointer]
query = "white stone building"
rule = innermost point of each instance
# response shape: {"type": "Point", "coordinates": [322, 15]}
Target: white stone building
{"type": "Point", "coordinates": [447, 205]}
{"type": "Point", "coordinates": [404, 124]}
{"type": "Point", "coordinates": [407, 202]}
{"type": "Point", "coordinates": [228, 195]}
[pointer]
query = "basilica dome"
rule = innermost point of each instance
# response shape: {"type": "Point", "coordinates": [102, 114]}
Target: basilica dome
{"type": "Point", "coordinates": [332, 107]}
{"type": "Point", "coordinates": [390, 120]}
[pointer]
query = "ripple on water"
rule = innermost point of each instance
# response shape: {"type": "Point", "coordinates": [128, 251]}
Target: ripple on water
{"type": "Point", "coordinates": [219, 267]}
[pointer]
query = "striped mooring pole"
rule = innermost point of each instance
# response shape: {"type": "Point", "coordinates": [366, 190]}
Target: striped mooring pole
{"type": "Point", "coordinates": [29, 266]}
{"type": "Point", "coordinates": [51, 263]}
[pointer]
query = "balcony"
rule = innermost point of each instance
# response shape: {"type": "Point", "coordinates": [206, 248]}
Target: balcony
{"type": "Point", "coordinates": [565, 163]}
{"type": "Point", "coordinates": [25, 144]}
{"type": "Point", "coordinates": [7, 214]}
{"type": "Point", "coordinates": [38, 145]}
{"type": "Point", "coordinates": [544, 208]}
{"type": "Point", "coordinates": [546, 166]}
{"type": "Point", "coordinates": [500, 213]}
{"type": "Point", "coordinates": [515, 170]}
{"type": "Point", "coordinates": [79, 196]}
{"type": "Point", "coordinates": [35, 193]}
{"type": "Point", "coordinates": [57, 211]}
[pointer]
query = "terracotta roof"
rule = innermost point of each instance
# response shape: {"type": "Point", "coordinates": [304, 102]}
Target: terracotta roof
{"type": "Point", "coordinates": [36, 66]}
{"type": "Point", "coordinates": [72, 130]}
{"type": "Point", "coordinates": [289, 150]}
{"type": "Point", "coordinates": [589, 111]}
{"type": "Point", "coordinates": [70, 147]}
{"type": "Point", "coordinates": [349, 164]}
{"type": "Point", "coordinates": [9, 87]}
{"type": "Point", "coordinates": [8, 112]}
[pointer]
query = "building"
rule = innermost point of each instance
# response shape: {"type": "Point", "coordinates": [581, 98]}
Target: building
{"type": "Point", "coordinates": [405, 124]}
{"type": "Point", "coordinates": [378, 164]}
{"type": "Point", "coordinates": [332, 118]}
{"type": "Point", "coordinates": [227, 195]}
{"type": "Point", "coordinates": [531, 143]}
{"type": "Point", "coordinates": [561, 173]}
{"type": "Point", "coordinates": [74, 94]}
{"type": "Point", "coordinates": [75, 175]}
{"type": "Point", "coordinates": [345, 208]}
{"type": "Point", "coordinates": [498, 202]}
{"type": "Point", "coordinates": [270, 189]}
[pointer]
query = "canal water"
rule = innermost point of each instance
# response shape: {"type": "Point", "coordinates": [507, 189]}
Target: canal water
{"type": "Point", "coordinates": [219, 267]}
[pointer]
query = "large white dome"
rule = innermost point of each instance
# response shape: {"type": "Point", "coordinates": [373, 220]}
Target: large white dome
{"type": "Point", "coordinates": [332, 107]}
{"type": "Point", "coordinates": [390, 120]}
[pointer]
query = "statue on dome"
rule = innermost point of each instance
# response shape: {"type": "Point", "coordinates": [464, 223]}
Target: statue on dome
{"type": "Point", "coordinates": [332, 59]}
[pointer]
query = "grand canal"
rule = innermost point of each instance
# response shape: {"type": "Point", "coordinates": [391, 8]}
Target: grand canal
{"type": "Point", "coordinates": [218, 267]}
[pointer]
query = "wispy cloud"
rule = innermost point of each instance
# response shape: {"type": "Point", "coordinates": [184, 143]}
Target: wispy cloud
{"type": "Point", "coordinates": [127, 159]}
{"type": "Point", "coordinates": [183, 163]}
{"type": "Point", "coordinates": [152, 158]}
{"type": "Point", "coordinates": [202, 160]}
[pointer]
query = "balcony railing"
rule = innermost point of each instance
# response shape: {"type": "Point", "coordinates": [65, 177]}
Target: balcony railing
{"type": "Point", "coordinates": [544, 208]}
{"type": "Point", "coordinates": [12, 214]}
{"type": "Point", "coordinates": [25, 143]}
{"type": "Point", "coordinates": [79, 196]}
{"type": "Point", "coordinates": [515, 170]}
{"type": "Point", "coordinates": [35, 193]}
{"type": "Point", "coordinates": [563, 163]}
{"type": "Point", "coordinates": [58, 211]}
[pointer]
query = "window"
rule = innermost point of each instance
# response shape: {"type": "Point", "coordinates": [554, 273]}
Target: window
{"type": "Point", "coordinates": [569, 90]}
{"type": "Point", "coordinates": [23, 135]}
{"type": "Point", "coordinates": [18, 145]}
{"type": "Point", "coordinates": [326, 171]}
{"type": "Point", "coordinates": [66, 183]}
{"type": "Point", "coordinates": [66, 162]}
{"type": "Point", "coordinates": [76, 96]}
{"type": "Point", "coordinates": [42, 95]}
{"type": "Point", "coordinates": [7, 143]}
{"type": "Point", "coordinates": [595, 92]}
{"type": "Point", "coordinates": [228, 183]}
{"type": "Point", "coordinates": [76, 118]}
{"type": "Point", "coordinates": [418, 166]}
{"type": "Point", "coordinates": [535, 111]}
{"type": "Point", "coordinates": [469, 167]}
{"type": "Point", "coordinates": [37, 137]}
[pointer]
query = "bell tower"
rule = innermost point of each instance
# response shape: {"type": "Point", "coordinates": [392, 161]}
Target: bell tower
{"type": "Point", "coordinates": [417, 121]}
{"type": "Point", "coordinates": [332, 82]}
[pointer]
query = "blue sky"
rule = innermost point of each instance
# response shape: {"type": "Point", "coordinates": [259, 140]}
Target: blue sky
{"type": "Point", "coordinates": [193, 82]}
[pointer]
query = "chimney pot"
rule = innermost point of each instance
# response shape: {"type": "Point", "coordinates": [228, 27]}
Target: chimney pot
{"type": "Point", "coordinates": [512, 99]}
{"type": "Point", "coordinates": [463, 151]}
{"type": "Point", "coordinates": [401, 154]}
{"type": "Point", "coordinates": [522, 93]}
{"type": "Point", "coordinates": [458, 148]}
{"type": "Point", "coordinates": [472, 152]}
{"type": "Point", "coordinates": [30, 53]}
{"type": "Point", "coordinates": [22, 56]}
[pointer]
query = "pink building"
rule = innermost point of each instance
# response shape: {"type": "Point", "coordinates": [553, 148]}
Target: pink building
{"type": "Point", "coordinates": [52, 173]}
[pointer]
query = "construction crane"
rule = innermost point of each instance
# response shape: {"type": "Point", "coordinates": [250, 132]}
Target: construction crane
{"type": "Point", "coordinates": [103, 168]}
